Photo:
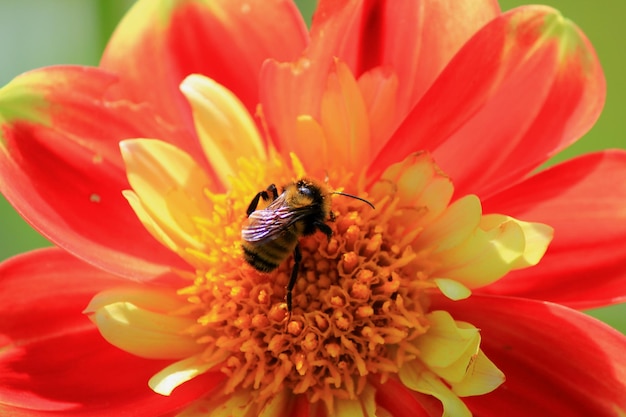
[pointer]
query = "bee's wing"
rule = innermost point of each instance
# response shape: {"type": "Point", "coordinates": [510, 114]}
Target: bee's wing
{"type": "Point", "coordinates": [268, 224]}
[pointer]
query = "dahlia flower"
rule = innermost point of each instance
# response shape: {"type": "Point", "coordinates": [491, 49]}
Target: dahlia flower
{"type": "Point", "coordinates": [454, 295]}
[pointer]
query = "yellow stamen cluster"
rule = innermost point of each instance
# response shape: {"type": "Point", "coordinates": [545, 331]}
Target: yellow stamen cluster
{"type": "Point", "coordinates": [357, 305]}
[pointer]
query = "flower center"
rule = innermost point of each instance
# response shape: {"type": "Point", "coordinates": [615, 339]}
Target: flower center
{"type": "Point", "coordinates": [358, 300]}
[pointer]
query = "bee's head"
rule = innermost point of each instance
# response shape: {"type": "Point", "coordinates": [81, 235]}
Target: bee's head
{"type": "Point", "coordinates": [309, 191]}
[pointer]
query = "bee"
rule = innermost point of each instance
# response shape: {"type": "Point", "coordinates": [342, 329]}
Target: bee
{"type": "Point", "coordinates": [273, 233]}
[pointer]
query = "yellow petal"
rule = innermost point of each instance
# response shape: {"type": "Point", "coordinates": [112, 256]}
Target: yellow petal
{"type": "Point", "coordinates": [452, 289]}
{"type": "Point", "coordinates": [486, 256]}
{"type": "Point", "coordinates": [296, 165]}
{"type": "Point", "coordinates": [417, 377]}
{"type": "Point", "coordinates": [158, 300]}
{"type": "Point", "coordinates": [458, 370]}
{"type": "Point", "coordinates": [278, 405]}
{"type": "Point", "coordinates": [238, 404]}
{"type": "Point", "coordinates": [453, 226]}
{"type": "Point", "coordinates": [482, 377]}
{"type": "Point", "coordinates": [450, 350]}
{"type": "Point", "coordinates": [180, 372]}
{"type": "Point", "coordinates": [418, 183]}
{"type": "Point", "coordinates": [362, 406]}
{"type": "Point", "coordinates": [445, 342]}
{"type": "Point", "coordinates": [419, 193]}
{"type": "Point", "coordinates": [149, 331]}
{"type": "Point", "coordinates": [226, 130]}
{"type": "Point", "coordinates": [170, 186]}
{"type": "Point", "coordinates": [381, 412]}
{"type": "Point", "coordinates": [536, 235]}
{"type": "Point", "coordinates": [436, 196]}
{"type": "Point", "coordinates": [152, 225]}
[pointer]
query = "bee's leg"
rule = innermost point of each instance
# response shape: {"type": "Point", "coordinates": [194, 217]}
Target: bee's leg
{"type": "Point", "coordinates": [297, 257]}
{"type": "Point", "coordinates": [255, 202]}
{"type": "Point", "coordinates": [264, 195]}
{"type": "Point", "coordinates": [324, 228]}
{"type": "Point", "coordinates": [272, 189]}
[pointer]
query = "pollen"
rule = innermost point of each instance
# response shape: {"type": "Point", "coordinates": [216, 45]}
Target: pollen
{"type": "Point", "coordinates": [357, 300]}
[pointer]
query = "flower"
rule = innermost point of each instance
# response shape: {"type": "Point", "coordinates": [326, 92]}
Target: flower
{"type": "Point", "coordinates": [436, 115]}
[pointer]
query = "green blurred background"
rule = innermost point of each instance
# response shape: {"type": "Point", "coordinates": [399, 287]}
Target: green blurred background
{"type": "Point", "coordinates": [36, 33]}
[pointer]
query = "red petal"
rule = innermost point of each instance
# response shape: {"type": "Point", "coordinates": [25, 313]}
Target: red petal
{"type": "Point", "coordinates": [400, 401]}
{"type": "Point", "coordinates": [557, 362]}
{"type": "Point", "coordinates": [584, 200]}
{"type": "Point", "coordinates": [60, 166]}
{"type": "Point", "coordinates": [159, 43]}
{"type": "Point", "coordinates": [527, 85]}
{"type": "Point", "coordinates": [415, 38]}
{"type": "Point", "coordinates": [54, 359]}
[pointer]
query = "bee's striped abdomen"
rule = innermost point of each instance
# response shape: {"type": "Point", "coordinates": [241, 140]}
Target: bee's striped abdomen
{"type": "Point", "coordinates": [269, 255]}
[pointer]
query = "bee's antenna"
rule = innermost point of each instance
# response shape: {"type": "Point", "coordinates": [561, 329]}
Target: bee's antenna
{"type": "Point", "coordinates": [355, 197]}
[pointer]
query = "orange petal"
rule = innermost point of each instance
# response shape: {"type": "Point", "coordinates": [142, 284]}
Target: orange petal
{"type": "Point", "coordinates": [344, 120]}
{"type": "Point", "coordinates": [379, 88]}
{"type": "Point", "coordinates": [335, 108]}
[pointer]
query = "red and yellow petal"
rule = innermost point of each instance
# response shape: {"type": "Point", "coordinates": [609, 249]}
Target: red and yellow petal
{"type": "Point", "coordinates": [557, 361]}
{"type": "Point", "coordinates": [226, 40]}
{"type": "Point", "coordinates": [53, 358]}
{"type": "Point", "coordinates": [526, 85]}
{"type": "Point", "coordinates": [60, 166]}
{"type": "Point", "coordinates": [583, 199]}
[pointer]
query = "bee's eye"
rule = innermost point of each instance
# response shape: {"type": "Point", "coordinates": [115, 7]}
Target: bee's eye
{"type": "Point", "coordinates": [306, 191]}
